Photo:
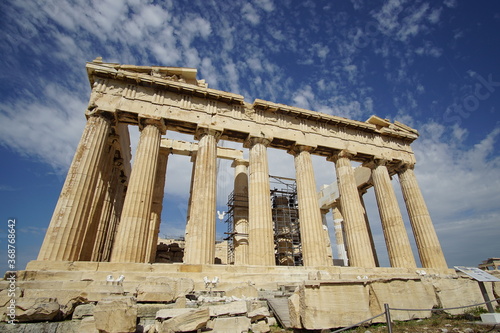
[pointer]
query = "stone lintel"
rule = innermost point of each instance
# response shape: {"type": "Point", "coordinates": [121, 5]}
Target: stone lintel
{"type": "Point", "coordinates": [329, 194]}
{"type": "Point", "coordinates": [178, 147]}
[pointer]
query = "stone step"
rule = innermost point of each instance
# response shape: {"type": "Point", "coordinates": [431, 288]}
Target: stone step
{"type": "Point", "coordinates": [281, 311]}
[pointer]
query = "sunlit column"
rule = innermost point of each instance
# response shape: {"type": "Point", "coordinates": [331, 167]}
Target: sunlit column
{"type": "Point", "coordinates": [328, 243]}
{"type": "Point", "coordinates": [396, 238]}
{"type": "Point", "coordinates": [311, 225]}
{"type": "Point", "coordinates": [64, 237]}
{"type": "Point", "coordinates": [260, 222]}
{"type": "Point", "coordinates": [200, 229]}
{"type": "Point", "coordinates": [131, 237]}
{"type": "Point", "coordinates": [358, 240]}
{"type": "Point", "coordinates": [240, 212]}
{"type": "Point", "coordinates": [338, 225]}
{"type": "Point", "coordinates": [429, 249]}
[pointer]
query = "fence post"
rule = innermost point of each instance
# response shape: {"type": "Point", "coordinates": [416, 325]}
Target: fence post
{"type": "Point", "coordinates": [388, 317]}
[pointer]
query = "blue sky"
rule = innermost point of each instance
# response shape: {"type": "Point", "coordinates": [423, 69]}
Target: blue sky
{"type": "Point", "coordinates": [432, 65]}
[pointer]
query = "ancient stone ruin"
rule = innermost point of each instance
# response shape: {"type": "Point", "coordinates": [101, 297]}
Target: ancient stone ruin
{"type": "Point", "coordinates": [97, 269]}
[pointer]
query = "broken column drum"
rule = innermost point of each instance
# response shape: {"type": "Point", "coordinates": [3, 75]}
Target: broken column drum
{"type": "Point", "coordinates": [110, 211]}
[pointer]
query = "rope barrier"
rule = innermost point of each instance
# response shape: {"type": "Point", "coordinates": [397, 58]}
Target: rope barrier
{"type": "Point", "coordinates": [454, 308]}
{"type": "Point", "coordinates": [357, 324]}
{"type": "Point", "coordinates": [398, 309]}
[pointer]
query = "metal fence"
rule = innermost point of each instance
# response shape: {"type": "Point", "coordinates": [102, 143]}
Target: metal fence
{"type": "Point", "coordinates": [388, 309]}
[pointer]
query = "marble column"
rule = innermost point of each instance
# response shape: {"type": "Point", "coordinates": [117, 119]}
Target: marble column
{"type": "Point", "coordinates": [157, 206]}
{"type": "Point", "coordinates": [358, 240]}
{"type": "Point", "coordinates": [338, 222]}
{"type": "Point", "coordinates": [64, 237]}
{"type": "Point", "coordinates": [311, 224]}
{"type": "Point", "coordinates": [396, 238]}
{"type": "Point", "coordinates": [200, 229]}
{"type": "Point", "coordinates": [116, 211]}
{"type": "Point", "coordinates": [106, 217]}
{"type": "Point", "coordinates": [260, 227]}
{"type": "Point", "coordinates": [96, 210]}
{"type": "Point", "coordinates": [131, 237]}
{"type": "Point", "coordinates": [240, 212]}
{"type": "Point", "coordinates": [328, 243]}
{"type": "Point", "coordinates": [365, 213]}
{"type": "Point", "coordinates": [429, 249]}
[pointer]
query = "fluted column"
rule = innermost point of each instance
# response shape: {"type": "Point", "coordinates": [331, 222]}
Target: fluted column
{"type": "Point", "coordinates": [338, 222]}
{"type": "Point", "coordinates": [64, 237]}
{"type": "Point", "coordinates": [200, 229]}
{"type": "Point", "coordinates": [372, 243]}
{"type": "Point", "coordinates": [240, 212]}
{"type": "Point", "coordinates": [396, 238]}
{"type": "Point", "coordinates": [116, 211]}
{"type": "Point", "coordinates": [157, 206]}
{"type": "Point", "coordinates": [260, 227]}
{"type": "Point", "coordinates": [96, 210]}
{"type": "Point", "coordinates": [328, 243]}
{"type": "Point", "coordinates": [131, 237]}
{"type": "Point", "coordinates": [106, 217]}
{"type": "Point", "coordinates": [358, 240]}
{"type": "Point", "coordinates": [429, 249]}
{"type": "Point", "coordinates": [311, 224]}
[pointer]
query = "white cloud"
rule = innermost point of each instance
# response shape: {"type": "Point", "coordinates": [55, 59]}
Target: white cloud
{"type": "Point", "coordinates": [249, 13]}
{"type": "Point", "coordinates": [267, 5]}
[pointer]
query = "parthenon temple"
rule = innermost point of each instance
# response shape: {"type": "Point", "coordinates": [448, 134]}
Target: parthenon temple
{"type": "Point", "coordinates": [110, 211]}
{"type": "Point", "coordinates": [107, 218]}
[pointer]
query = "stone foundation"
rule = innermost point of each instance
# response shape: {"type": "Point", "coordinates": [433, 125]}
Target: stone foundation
{"type": "Point", "coordinates": [325, 297]}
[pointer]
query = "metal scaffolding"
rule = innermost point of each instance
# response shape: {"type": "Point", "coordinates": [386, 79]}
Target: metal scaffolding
{"type": "Point", "coordinates": [286, 221]}
{"type": "Point", "coordinates": [285, 215]}
{"type": "Point", "coordinates": [237, 205]}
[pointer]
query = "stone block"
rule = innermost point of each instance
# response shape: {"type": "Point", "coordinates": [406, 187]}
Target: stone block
{"type": "Point", "coordinates": [116, 315]}
{"type": "Point", "coordinates": [258, 314]}
{"type": "Point", "coordinates": [402, 294]}
{"type": "Point", "coordinates": [87, 325]}
{"type": "Point", "coordinates": [328, 305]}
{"type": "Point", "coordinates": [229, 309]}
{"type": "Point", "coordinates": [150, 310]}
{"type": "Point", "coordinates": [294, 310]}
{"type": "Point", "coordinates": [161, 289]}
{"type": "Point", "coordinates": [98, 290]}
{"type": "Point", "coordinates": [192, 320]}
{"type": "Point", "coordinates": [39, 309]}
{"type": "Point", "coordinates": [260, 327]}
{"type": "Point", "coordinates": [230, 324]}
{"type": "Point", "coordinates": [272, 321]}
{"type": "Point", "coordinates": [243, 292]}
{"type": "Point", "coordinates": [457, 292]}
{"type": "Point", "coordinates": [83, 310]}
{"type": "Point", "coordinates": [171, 313]}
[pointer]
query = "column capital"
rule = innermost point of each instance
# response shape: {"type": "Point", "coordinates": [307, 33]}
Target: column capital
{"type": "Point", "coordinates": [403, 166]}
{"type": "Point", "coordinates": [240, 161]}
{"type": "Point", "coordinates": [343, 153]}
{"type": "Point", "coordinates": [202, 131]}
{"type": "Point", "coordinates": [96, 112]}
{"type": "Point", "coordinates": [376, 161]}
{"type": "Point", "coordinates": [158, 122]}
{"type": "Point", "coordinates": [298, 148]}
{"type": "Point", "coordinates": [253, 140]}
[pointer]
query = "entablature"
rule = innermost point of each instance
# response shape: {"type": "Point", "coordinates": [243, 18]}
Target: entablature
{"type": "Point", "coordinates": [135, 94]}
